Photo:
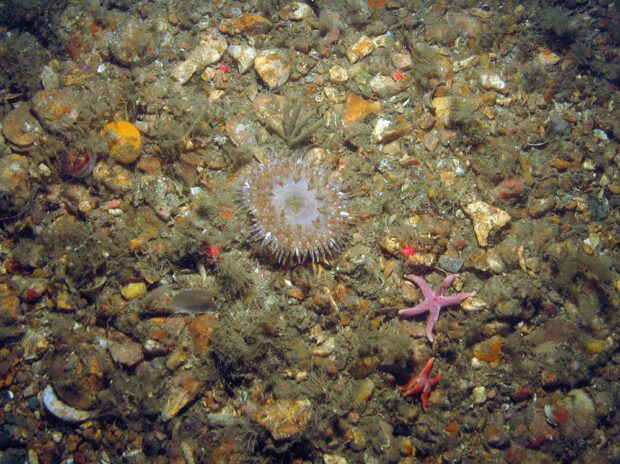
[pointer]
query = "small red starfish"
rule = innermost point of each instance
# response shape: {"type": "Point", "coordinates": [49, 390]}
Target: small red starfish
{"type": "Point", "coordinates": [421, 383]}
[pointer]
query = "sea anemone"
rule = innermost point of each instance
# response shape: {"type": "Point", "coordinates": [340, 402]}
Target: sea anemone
{"type": "Point", "coordinates": [298, 210]}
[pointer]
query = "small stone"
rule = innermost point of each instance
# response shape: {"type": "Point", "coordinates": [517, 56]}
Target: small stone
{"type": "Point", "coordinates": [362, 391]}
{"type": "Point", "coordinates": [124, 350]}
{"type": "Point", "coordinates": [326, 348]}
{"type": "Point", "coordinates": [479, 395]}
{"type": "Point", "coordinates": [55, 109]}
{"type": "Point", "coordinates": [209, 50]}
{"type": "Point", "coordinates": [486, 219]}
{"type": "Point", "coordinates": [21, 128]}
{"type": "Point", "coordinates": [116, 178]}
{"type": "Point", "coordinates": [14, 184]}
{"type": "Point", "coordinates": [181, 389]}
{"type": "Point", "coordinates": [244, 56]}
{"type": "Point", "coordinates": [496, 437]}
{"type": "Point", "coordinates": [273, 67]}
{"type": "Point", "coordinates": [296, 11]}
{"type": "Point", "coordinates": [431, 139]}
{"type": "Point", "coordinates": [133, 290]}
{"type": "Point", "coordinates": [441, 108]}
{"type": "Point", "coordinates": [356, 107]}
{"type": "Point", "coordinates": [492, 81]}
{"type": "Point", "coordinates": [333, 459]}
{"type": "Point", "coordinates": [548, 58]}
{"type": "Point", "coordinates": [362, 47]}
{"type": "Point", "coordinates": [402, 61]}
{"type": "Point", "coordinates": [580, 413]}
{"type": "Point", "coordinates": [359, 440]}
{"type": "Point", "coordinates": [240, 131]}
{"type": "Point", "coordinates": [384, 86]}
{"type": "Point", "coordinates": [200, 329]}
{"type": "Point", "coordinates": [338, 75]}
{"type": "Point", "coordinates": [465, 63]}
{"type": "Point", "coordinates": [49, 78]}
{"type": "Point", "coordinates": [284, 418]}
{"type": "Point", "coordinates": [246, 24]}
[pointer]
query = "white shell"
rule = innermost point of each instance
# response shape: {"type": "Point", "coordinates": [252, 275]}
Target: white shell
{"type": "Point", "coordinates": [62, 410]}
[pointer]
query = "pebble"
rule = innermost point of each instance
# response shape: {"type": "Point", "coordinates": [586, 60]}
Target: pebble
{"type": "Point", "coordinates": [56, 109]}
{"type": "Point", "coordinates": [243, 55]}
{"type": "Point", "coordinates": [133, 290]}
{"type": "Point", "coordinates": [362, 47]}
{"type": "Point", "coordinates": [384, 86]}
{"type": "Point", "coordinates": [273, 67]}
{"type": "Point", "coordinates": [338, 75]}
{"type": "Point", "coordinates": [284, 418]}
{"type": "Point", "coordinates": [14, 183]}
{"type": "Point", "coordinates": [247, 24]}
{"type": "Point", "coordinates": [209, 50]}
{"type": "Point", "coordinates": [356, 107]}
{"type": "Point", "coordinates": [492, 81]}
{"type": "Point", "coordinates": [479, 394]}
{"type": "Point", "coordinates": [362, 391]}
{"type": "Point", "coordinates": [296, 11]}
{"type": "Point", "coordinates": [333, 459]}
{"type": "Point", "coordinates": [496, 437]}
{"type": "Point", "coordinates": [124, 350]}
{"type": "Point", "coordinates": [487, 219]}
{"type": "Point", "coordinates": [181, 389]}
{"type": "Point", "coordinates": [21, 128]}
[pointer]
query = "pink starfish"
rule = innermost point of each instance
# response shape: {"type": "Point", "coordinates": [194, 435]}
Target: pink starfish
{"type": "Point", "coordinates": [421, 383]}
{"type": "Point", "coordinates": [433, 301]}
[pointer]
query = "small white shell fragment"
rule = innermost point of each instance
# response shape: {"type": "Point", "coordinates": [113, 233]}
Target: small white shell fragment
{"type": "Point", "coordinates": [61, 410]}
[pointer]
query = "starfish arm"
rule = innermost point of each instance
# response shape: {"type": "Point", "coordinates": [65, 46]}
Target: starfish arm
{"type": "Point", "coordinates": [420, 282]}
{"type": "Point", "coordinates": [425, 394]}
{"type": "Point", "coordinates": [411, 383]}
{"type": "Point", "coordinates": [433, 380]}
{"type": "Point", "coordinates": [433, 316]}
{"type": "Point", "coordinates": [417, 389]}
{"type": "Point", "coordinates": [427, 367]}
{"type": "Point", "coordinates": [426, 305]}
{"type": "Point", "coordinates": [446, 283]}
{"type": "Point", "coordinates": [455, 299]}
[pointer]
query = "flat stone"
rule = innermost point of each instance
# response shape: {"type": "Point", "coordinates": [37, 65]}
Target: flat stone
{"type": "Point", "coordinates": [182, 389]}
{"type": "Point", "coordinates": [296, 11]}
{"type": "Point", "coordinates": [357, 107]}
{"type": "Point", "coordinates": [384, 86]}
{"type": "Point", "coordinates": [55, 109]}
{"type": "Point", "coordinates": [245, 24]}
{"type": "Point", "coordinates": [243, 55]}
{"type": "Point", "coordinates": [492, 81]}
{"type": "Point", "coordinates": [487, 219]}
{"type": "Point", "coordinates": [273, 67]}
{"type": "Point", "coordinates": [284, 418]}
{"type": "Point", "coordinates": [362, 47]}
{"type": "Point", "coordinates": [124, 350]}
{"type": "Point", "coordinates": [209, 50]}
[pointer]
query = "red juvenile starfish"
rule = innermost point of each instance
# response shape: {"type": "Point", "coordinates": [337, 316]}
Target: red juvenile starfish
{"type": "Point", "coordinates": [421, 383]}
{"type": "Point", "coordinates": [433, 301]}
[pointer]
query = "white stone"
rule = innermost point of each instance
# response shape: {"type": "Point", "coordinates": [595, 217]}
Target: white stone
{"type": "Point", "coordinates": [383, 86]}
{"type": "Point", "coordinates": [338, 74]}
{"type": "Point", "coordinates": [209, 50]}
{"type": "Point", "coordinates": [362, 47]}
{"type": "Point", "coordinates": [296, 11]}
{"type": "Point", "coordinates": [486, 219]}
{"type": "Point", "coordinates": [272, 67]}
{"type": "Point", "coordinates": [492, 81]}
{"type": "Point", "coordinates": [244, 56]}
{"type": "Point", "coordinates": [381, 127]}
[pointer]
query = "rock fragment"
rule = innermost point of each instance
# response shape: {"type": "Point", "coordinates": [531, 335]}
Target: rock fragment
{"type": "Point", "coordinates": [362, 47]}
{"type": "Point", "coordinates": [487, 219]}
{"type": "Point", "coordinates": [273, 67]}
{"type": "Point", "coordinates": [209, 50]}
{"type": "Point", "coordinates": [284, 418]}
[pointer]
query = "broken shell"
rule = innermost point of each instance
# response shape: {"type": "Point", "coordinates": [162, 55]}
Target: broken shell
{"type": "Point", "coordinates": [61, 410]}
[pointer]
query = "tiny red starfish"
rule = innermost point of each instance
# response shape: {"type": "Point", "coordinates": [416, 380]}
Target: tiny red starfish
{"type": "Point", "coordinates": [421, 383]}
{"type": "Point", "coordinates": [433, 301]}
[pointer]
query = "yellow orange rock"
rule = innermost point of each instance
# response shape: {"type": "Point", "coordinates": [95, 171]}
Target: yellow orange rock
{"type": "Point", "coordinates": [356, 107]}
{"type": "Point", "coordinates": [124, 141]}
